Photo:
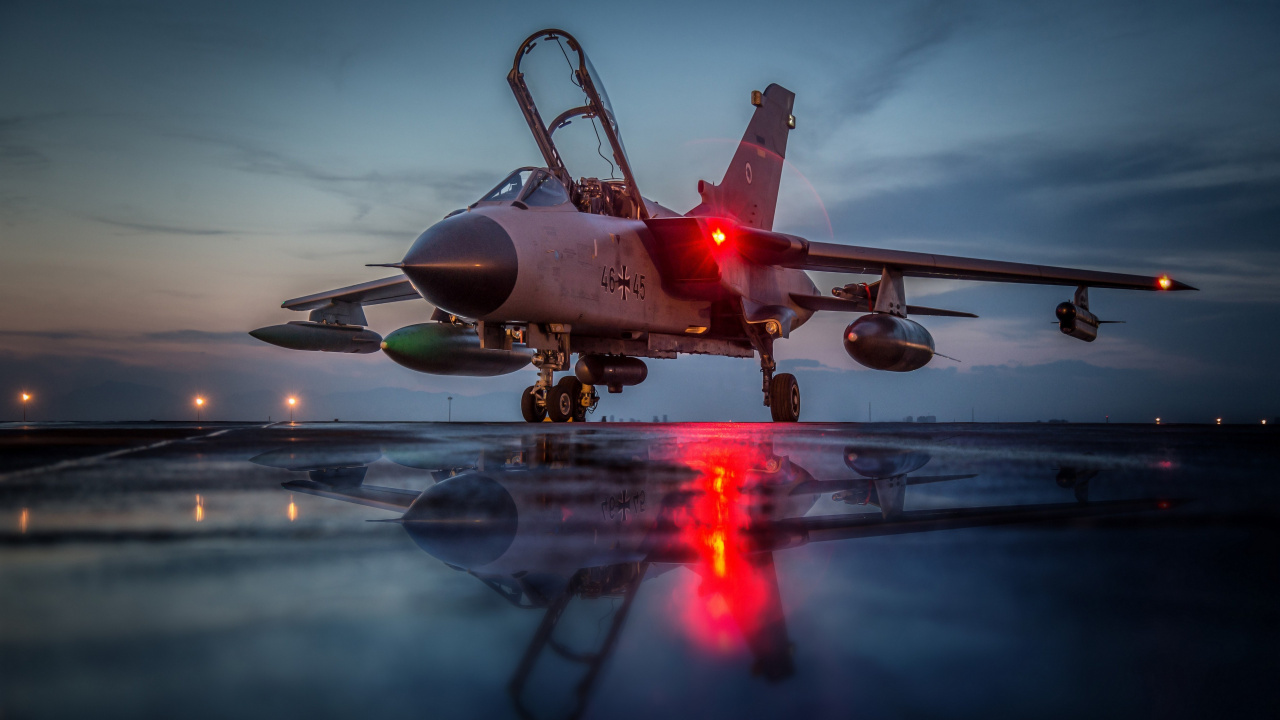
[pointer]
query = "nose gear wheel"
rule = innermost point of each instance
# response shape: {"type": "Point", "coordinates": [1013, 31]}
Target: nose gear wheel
{"type": "Point", "coordinates": [532, 410]}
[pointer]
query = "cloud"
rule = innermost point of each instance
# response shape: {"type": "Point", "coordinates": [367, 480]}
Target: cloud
{"type": "Point", "coordinates": [1142, 205]}
{"type": "Point", "coordinates": [201, 336]}
{"type": "Point", "coordinates": [48, 334]}
{"type": "Point", "coordinates": [165, 229]}
{"type": "Point", "coordinates": [924, 30]}
{"type": "Point", "coordinates": [15, 152]}
{"type": "Point", "coordinates": [366, 190]}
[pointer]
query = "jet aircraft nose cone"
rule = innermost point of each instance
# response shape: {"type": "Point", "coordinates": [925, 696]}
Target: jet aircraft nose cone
{"type": "Point", "coordinates": [468, 520]}
{"type": "Point", "coordinates": [465, 265]}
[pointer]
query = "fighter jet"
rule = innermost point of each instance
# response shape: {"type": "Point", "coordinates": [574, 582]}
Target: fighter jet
{"type": "Point", "coordinates": [546, 266]}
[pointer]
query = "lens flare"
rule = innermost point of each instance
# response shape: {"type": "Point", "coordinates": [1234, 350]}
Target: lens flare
{"type": "Point", "coordinates": [717, 235]}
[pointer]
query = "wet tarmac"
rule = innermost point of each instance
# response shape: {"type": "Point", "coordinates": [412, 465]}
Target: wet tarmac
{"type": "Point", "coordinates": [638, 570]}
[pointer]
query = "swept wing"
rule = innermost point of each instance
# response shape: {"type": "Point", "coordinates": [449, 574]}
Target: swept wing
{"type": "Point", "coordinates": [374, 292]}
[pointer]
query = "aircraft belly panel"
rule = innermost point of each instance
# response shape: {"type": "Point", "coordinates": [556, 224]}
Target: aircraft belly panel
{"type": "Point", "coordinates": [589, 271]}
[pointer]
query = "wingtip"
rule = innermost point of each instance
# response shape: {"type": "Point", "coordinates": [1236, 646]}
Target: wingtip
{"type": "Point", "coordinates": [397, 265]}
{"type": "Point", "coordinates": [1168, 284]}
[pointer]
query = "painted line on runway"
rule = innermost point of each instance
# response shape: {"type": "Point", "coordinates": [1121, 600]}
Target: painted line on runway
{"type": "Point", "coordinates": [95, 459]}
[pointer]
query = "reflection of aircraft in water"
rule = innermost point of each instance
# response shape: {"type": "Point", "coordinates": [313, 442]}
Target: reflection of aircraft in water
{"type": "Point", "coordinates": [590, 516]}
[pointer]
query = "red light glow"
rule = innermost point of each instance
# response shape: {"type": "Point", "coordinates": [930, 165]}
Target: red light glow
{"type": "Point", "coordinates": [1164, 282]}
{"type": "Point", "coordinates": [717, 235]}
{"type": "Point", "coordinates": [731, 601]}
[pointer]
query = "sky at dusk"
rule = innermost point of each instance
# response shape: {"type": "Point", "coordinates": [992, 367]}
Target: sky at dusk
{"type": "Point", "coordinates": [171, 171]}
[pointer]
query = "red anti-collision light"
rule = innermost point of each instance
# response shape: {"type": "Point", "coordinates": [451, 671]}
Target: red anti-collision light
{"type": "Point", "coordinates": [1164, 282]}
{"type": "Point", "coordinates": [717, 235]}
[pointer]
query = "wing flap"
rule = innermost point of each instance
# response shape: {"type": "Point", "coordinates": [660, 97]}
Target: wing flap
{"type": "Point", "coordinates": [872, 261]}
{"type": "Point", "coordinates": [374, 292]}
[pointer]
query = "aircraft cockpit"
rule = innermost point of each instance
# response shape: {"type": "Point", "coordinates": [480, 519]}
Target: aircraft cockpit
{"type": "Point", "coordinates": [528, 187]}
{"type": "Point", "coordinates": [581, 102]}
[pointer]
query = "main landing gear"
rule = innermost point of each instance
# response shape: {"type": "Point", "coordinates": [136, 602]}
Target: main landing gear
{"type": "Point", "coordinates": [781, 391]}
{"type": "Point", "coordinates": [565, 401]}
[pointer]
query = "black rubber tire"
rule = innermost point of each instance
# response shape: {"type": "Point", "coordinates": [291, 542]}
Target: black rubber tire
{"type": "Point", "coordinates": [529, 407]}
{"type": "Point", "coordinates": [563, 399]}
{"type": "Point", "coordinates": [784, 398]}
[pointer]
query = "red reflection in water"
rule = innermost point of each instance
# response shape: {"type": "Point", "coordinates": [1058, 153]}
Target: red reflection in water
{"type": "Point", "coordinates": [736, 595]}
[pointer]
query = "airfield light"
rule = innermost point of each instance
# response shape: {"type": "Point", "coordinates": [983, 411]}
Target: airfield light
{"type": "Point", "coordinates": [26, 397]}
{"type": "Point", "coordinates": [292, 510]}
{"type": "Point", "coordinates": [717, 235]}
{"type": "Point", "coordinates": [292, 402]}
{"type": "Point", "coordinates": [1264, 421]}
{"type": "Point", "coordinates": [199, 407]}
{"type": "Point", "coordinates": [1164, 282]}
{"type": "Point", "coordinates": [1219, 421]}
{"type": "Point", "coordinates": [1157, 421]}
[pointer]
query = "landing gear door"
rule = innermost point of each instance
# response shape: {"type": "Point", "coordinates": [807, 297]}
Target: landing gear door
{"type": "Point", "coordinates": [580, 96]}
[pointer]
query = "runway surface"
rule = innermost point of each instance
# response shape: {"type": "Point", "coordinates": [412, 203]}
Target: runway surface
{"type": "Point", "coordinates": [638, 570]}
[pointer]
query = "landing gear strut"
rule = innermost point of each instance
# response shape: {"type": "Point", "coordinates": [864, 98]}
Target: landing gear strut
{"type": "Point", "coordinates": [567, 400]}
{"type": "Point", "coordinates": [781, 392]}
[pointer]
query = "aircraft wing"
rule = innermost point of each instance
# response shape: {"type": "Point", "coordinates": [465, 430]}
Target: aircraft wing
{"type": "Point", "coordinates": [798, 531]}
{"type": "Point", "coordinates": [368, 495]}
{"type": "Point", "coordinates": [374, 292]}
{"type": "Point", "coordinates": [820, 302]}
{"type": "Point", "coordinates": [872, 261]}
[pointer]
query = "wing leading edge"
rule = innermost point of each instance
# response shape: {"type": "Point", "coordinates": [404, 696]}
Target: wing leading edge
{"type": "Point", "coordinates": [374, 292]}
{"type": "Point", "coordinates": [873, 261]}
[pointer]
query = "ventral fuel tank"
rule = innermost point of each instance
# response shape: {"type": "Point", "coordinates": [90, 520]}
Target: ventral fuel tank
{"type": "Point", "coordinates": [448, 349]}
{"type": "Point", "coordinates": [884, 342]}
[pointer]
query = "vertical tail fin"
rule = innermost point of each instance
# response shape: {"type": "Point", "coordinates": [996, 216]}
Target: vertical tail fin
{"type": "Point", "coordinates": [749, 190]}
